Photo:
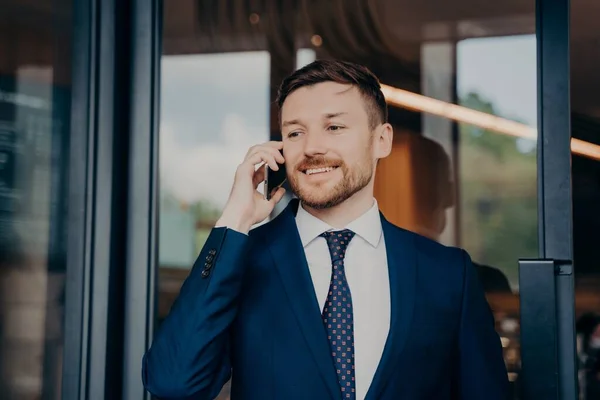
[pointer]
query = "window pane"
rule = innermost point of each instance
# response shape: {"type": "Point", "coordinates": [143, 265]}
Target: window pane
{"type": "Point", "coordinates": [453, 175]}
{"type": "Point", "coordinates": [498, 172]}
{"type": "Point", "coordinates": [35, 62]}
{"type": "Point", "coordinates": [213, 108]}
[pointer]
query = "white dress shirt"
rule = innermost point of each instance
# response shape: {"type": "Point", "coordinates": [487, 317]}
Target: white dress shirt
{"type": "Point", "coordinates": [367, 275]}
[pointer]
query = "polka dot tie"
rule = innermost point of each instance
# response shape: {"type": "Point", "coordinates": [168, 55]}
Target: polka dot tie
{"type": "Point", "coordinates": [337, 314]}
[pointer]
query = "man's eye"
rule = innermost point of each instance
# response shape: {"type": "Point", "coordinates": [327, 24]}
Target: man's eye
{"type": "Point", "coordinates": [334, 127]}
{"type": "Point", "coordinates": [293, 134]}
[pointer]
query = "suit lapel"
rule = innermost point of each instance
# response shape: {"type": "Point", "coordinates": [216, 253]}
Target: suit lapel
{"type": "Point", "coordinates": [290, 260]}
{"type": "Point", "coordinates": [402, 267]}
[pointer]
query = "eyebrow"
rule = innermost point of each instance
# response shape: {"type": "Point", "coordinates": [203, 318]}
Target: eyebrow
{"type": "Point", "coordinates": [291, 122]}
{"type": "Point", "coordinates": [333, 115]}
{"type": "Point", "coordinates": [326, 116]}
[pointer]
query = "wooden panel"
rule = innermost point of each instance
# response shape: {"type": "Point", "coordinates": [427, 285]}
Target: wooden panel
{"type": "Point", "coordinates": [394, 184]}
{"type": "Point", "coordinates": [413, 185]}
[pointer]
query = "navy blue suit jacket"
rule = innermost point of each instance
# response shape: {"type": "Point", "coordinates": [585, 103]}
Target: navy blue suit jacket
{"type": "Point", "coordinates": [248, 310]}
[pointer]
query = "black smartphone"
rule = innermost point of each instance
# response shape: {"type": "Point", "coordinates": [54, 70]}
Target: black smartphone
{"type": "Point", "coordinates": [274, 179]}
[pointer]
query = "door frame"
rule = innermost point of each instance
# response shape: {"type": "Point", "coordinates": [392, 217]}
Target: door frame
{"type": "Point", "coordinates": [96, 359]}
{"type": "Point", "coordinates": [141, 261]}
{"type": "Point", "coordinates": [546, 284]}
{"type": "Point", "coordinates": [547, 290]}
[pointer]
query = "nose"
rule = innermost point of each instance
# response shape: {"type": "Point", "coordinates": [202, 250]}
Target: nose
{"type": "Point", "coordinates": [314, 145]}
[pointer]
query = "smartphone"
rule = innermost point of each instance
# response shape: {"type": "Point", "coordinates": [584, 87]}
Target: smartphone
{"type": "Point", "coordinates": [274, 179]}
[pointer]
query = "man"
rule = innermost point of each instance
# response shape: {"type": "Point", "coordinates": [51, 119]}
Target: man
{"type": "Point", "coordinates": [328, 300]}
{"type": "Point", "coordinates": [434, 193]}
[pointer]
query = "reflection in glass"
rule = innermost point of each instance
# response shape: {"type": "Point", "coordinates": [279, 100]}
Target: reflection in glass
{"type": "Point", "coordinates": [34, 143]}
{"type": "Point", "coordinates": [461, 184]}
{"type": "Point", "coordinates": [498, 171]}
{"type": "Point", "coordinates": [213, 108]}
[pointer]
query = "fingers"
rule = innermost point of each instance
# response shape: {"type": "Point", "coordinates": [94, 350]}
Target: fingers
{"type": "Point", "coordinates": [261, 157]}
{"type": "Point", "coordinates": [276, 144]}
{"type": "Point", "coordinates": [269, 147]}
{"type": "Point", "coordinates": [259, 175]}
{"type": "Point", "coordinates": [276, 198]}
{"type": "Point", "coordinates": [265, 154]}
{"type": "Point", "coordinates": [270, 150]}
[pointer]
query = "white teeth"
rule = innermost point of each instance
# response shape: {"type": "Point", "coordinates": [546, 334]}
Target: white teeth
{"type": "Point", "coordinates": [318, 170]}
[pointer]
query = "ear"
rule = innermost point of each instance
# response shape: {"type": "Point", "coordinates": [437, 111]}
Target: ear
{"type": "Point", "coordinates": [382, 141]}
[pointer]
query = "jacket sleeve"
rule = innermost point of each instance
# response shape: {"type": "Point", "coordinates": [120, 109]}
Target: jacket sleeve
{"type": "Point", "coordinates": [189, 357]}
{"type": "Point", "coordinates": [481, 370]}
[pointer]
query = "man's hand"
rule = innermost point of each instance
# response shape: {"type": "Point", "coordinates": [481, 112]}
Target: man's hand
{"type": "Point", "coordinates": [246, 206]}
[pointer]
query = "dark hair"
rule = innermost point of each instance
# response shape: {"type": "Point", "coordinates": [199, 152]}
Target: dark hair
{"type": "Point", "coordinates": [340, 72]}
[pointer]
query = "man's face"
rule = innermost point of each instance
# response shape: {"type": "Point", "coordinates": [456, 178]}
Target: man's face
{"type": "Point", "coordinates": [329, 147]}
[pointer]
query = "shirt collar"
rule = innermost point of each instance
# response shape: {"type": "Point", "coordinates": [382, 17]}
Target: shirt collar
{"type": "Point", "coordinates": [367, 226]}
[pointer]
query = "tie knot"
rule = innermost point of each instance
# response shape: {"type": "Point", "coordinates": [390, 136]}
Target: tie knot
{"type": "Point", "coordinates": [337, 241]}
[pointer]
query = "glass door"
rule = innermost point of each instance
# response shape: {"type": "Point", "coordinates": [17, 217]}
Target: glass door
{"type": "Point", "coordinates": [460, 80]}
{"type": "Point", "coordinates": [482, 156]}
{"type": "Point", "coordinates": [36, 89]}
{"type": "Point", "coordinates": [560, 305]}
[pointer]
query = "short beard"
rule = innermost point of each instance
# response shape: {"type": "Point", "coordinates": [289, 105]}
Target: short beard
{"type": "Point", "coordinates": [348, 187]}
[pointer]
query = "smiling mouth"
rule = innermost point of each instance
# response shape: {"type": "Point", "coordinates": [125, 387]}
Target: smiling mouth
{"type": "Point", "coordinates": [314, 171]}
